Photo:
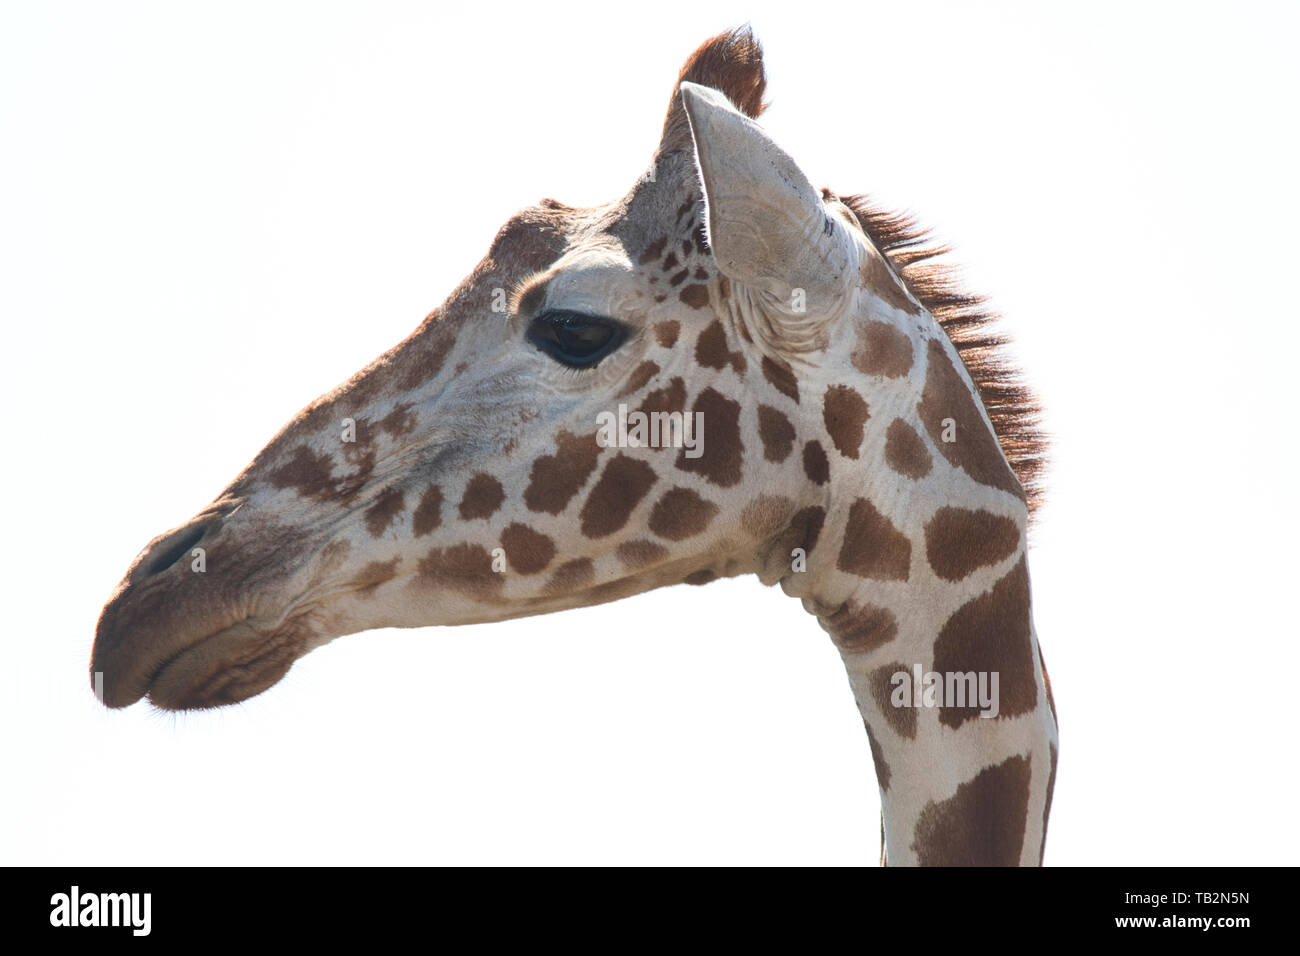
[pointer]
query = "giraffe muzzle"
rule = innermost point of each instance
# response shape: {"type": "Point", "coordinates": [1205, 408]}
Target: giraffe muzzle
{"type": "Point", "coordinates": [191, 629]}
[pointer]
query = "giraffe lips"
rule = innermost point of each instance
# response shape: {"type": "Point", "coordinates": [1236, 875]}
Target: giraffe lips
{"type": "Point", "coordinates": [230, 666]}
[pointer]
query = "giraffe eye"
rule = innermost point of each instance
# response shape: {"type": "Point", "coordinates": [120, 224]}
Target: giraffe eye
{"type": "Point", "coordinates": [575, 339]}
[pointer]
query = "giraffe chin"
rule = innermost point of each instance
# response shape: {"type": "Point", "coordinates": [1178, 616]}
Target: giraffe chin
{"type": "Point", "coordinates": [226, 668]}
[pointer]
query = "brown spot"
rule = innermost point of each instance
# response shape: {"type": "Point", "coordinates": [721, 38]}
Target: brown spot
{"type": "Point", "coordinates": [845, 414]}
{"type": "Point", "coordinates": [527, 551]}
{"type": "Point", "coordinates": [640, 376]}
{"type": "Point", "coordinates": [686, 248]}
{"type": "Point", "coordinates": [702, 274]}
{"type": "Point", "coordinates": [982, 824]}
{"type": "Point", "coordinates": [400, 421]}
{"type": "Point", "coordinates": [666, 333]}
{"type": "Point", "coordinates": [882, 349]}
{"type": "Point", "coordinates": [696, 296]}
{"type": "Point", "coordinates": [1047, 683]}
{"type": "Point", "coordinates": [670, 263]}
{"type": "Point", "coordinates": [622, 485]}
{"type": "Point", "coordinates": [723, 452]}
{"type": "Point", "coordinates": [381, 514]}
{"type": "Point", "coordinates": [555, 479]}
{"type": "Point", "coordinates": [873, 547]}
{"type": "Point", "coordinates": [880, 279]}
{"type": "Point", "coordinates": [425, 358]}
{"type": "Point", "coordinates": [364, 438]}
{"type": "Point", "coordinates": [370, 577]}
{"type": "Point", "coordinates": [653, 251]}
{"type": "Point", "coordinates": [464, 568]}
{"type": "Point", "coordinates": [860, 629]}
{"type": "Point", "coordinates": [806, 528]}
{"type": "Point", "coordinates": [958, 541]}
{"type": "Point", "coordinates": [307, 472]}
{"type": "Point", "coordinates": [711, 350]}
{"type": "Point", "coordinates": [711, 347]}
{"type": "Point", "coordinates": [680, 277]}
{"type": "Point", "coordinates": [670, 398]}
{"type": "Point", "coordinates": [905, 452]}
{"type": "Point", "coordinates": [878, 758]}
{"type": "Point", "coordinates": [992, 633]}
{"type": "Point", "coordinates": [881, 681]}
{"type": "Point", "coordinates": [428, 513]}
{"type": "Point", "coordinates": [483, 496]}
{"type": "Point", "coordinates": [698, 578]}
{"type": "Point", "coordinates": [815, 464]}
{"type": "Point", "coordinates": [571, 576]}
{"type": "Point", "coordinates": [349, 486]}
{"type": "Point", "coordinates": [776, 432]}
{"type": "Point", "coordinates": [976, 451]}
{"type": "Point", "coordinates": [681, 513]}
{"type": "Point", "coordinates": [639, 554]}
{"type": "Point", "coordinates": [1047, 807]}
{"type": "Point", "coordinates": [781, 377]}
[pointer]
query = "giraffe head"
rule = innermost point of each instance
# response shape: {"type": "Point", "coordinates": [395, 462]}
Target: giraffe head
{"type": "Point", "coordinates": [668, 388]}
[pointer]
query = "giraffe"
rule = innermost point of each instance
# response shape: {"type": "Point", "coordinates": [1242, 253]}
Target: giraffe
{"type": "Point", "coordinates": [862, 443]}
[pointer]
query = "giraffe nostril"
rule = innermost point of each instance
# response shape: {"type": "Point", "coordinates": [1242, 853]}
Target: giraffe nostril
{"type": "Point", "coordinates": [171, 551]}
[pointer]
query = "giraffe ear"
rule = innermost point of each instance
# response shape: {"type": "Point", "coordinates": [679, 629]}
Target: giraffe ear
{"type": "Point", "coordinates": [766, 224]}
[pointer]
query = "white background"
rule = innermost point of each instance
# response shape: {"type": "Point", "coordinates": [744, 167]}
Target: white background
{"type": "Point", "coordinates": [213, 213]}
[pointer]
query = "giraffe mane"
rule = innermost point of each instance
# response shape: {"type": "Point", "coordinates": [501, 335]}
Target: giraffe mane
{"type": "Point", "coordinates": [732, 62]}
{"type": "Point", "coordinates": [973, 328]}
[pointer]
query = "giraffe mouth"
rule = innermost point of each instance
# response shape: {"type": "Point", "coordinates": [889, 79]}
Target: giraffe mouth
{"type": "Point", "coordinates": [232, 665]}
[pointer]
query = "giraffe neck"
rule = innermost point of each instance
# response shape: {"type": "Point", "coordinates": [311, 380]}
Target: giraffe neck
{"type": "Point", "coordinates": [916, 567]}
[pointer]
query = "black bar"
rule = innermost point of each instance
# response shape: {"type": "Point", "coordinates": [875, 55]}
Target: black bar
{"type": "Point", "coordinates": [244, 905]}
